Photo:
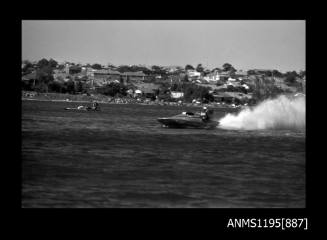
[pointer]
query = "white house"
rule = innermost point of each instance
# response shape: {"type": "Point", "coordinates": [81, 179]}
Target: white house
{"type": "Point", "coordinates": [176, 94]}
{"type": "Point", "coordinates": [137, 93]}
{"type": "Point", "coordinates": [245, 86]}
{"type": "Point", "coordinates": [193, 73]}
{"type": "Point", "coordinates": [212, 77]}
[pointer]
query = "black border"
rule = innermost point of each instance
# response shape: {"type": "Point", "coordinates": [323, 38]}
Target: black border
{"type": "Point", "coordinates": [212, 220]}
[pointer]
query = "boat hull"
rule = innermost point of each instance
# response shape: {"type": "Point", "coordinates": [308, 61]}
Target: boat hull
{"type": "Point", "coordinates": [187, 123]}
{"type": "Point", "coordinates": [82, 109]}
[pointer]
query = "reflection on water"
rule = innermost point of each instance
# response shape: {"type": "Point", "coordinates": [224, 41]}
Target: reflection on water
{"type": "Point", "coordinates": [122, 157]}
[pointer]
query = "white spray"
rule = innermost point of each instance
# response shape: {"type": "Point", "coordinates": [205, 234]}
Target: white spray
{"type": "Point", "coordinates": [279, 113]}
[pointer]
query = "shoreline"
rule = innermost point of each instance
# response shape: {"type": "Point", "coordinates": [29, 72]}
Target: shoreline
{"type": "Point", "coordinates": [68, 98]}
{"type": "Point", "coordinates": [138, 103]}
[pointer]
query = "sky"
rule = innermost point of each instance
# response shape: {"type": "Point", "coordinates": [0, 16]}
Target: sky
{"type": "Point", "coordinates": [264, 44]}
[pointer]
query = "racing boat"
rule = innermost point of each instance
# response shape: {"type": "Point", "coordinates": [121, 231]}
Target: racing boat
{"type": "Point", "coordinates": [189, 120]}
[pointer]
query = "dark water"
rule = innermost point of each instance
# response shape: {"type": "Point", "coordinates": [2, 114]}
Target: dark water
{"type": "Point", "coordinates": [121, 157]}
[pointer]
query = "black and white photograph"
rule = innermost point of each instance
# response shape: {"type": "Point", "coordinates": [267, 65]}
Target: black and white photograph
{"type": "Point", "coordinates": [163, 114]}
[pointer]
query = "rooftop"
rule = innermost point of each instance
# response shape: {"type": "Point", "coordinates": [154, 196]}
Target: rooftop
{"type": "Point", "coordinates": [244, 73]}
{"type": "Point", "coordinates": [106, 71]}
{"type": "Point", "coordinates": [139, 74]}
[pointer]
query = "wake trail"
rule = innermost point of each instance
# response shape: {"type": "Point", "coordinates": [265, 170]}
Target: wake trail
{"type": "Point", "coordinates": [280, 113]}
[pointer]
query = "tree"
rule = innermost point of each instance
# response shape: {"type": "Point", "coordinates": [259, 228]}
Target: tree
{"type": "Point", "coordinates": [28, 67]}
{"type": "Point", "coordinates": [41, 87]}
{"type": "Point", "coordinates": [52, 63]}
{"type": "Point", "coordinates": [276, 73]}
{"type": "Point", "coordinates": [56, 87]}
{"type": "Point", "coordinates": [185, 78]}
{"type": "Point", "coordinates": [145, 70]}
{"type": "Point", "coordinates": [216, 69]}
{"type": "Point", "coordinates": [251, 72]}
{"type": "Point", "coordinates": [121, 79]}
{"type": "Point", "coordinates": [265, 88]}
{"type": "Point", "coordinates": [113, 89]}
{"type": "Point", "coordinates": [26, 61]}
{"type": "Point", "coordinates": [227, 67]}
{"type": "Point", "coordinates": [220, 83]}
{"type": "Point", "coordinates": [110, 65]}
{"type": "Point", "coordinates": [295, 73]}
{"type": "Point", "coordinates": [199, 68]}
{"type": "Point", "coordinates": [44, 73]}
{"type": "Point", "coordinates": [158, 70]}
{"type": "Point", "coordinates": [70, 86]}
{"type": "Point", "coordinates": [79, 87]}
{"type": "Point", "coordinates": [61, 66]}
{"type": "Point", "coordinates": [192, 91]}
{"type": "Point", "coordinates": [43, 63]}
{"type": "Point", "coordinates": [189, 67]}
{"type": "Point", "coordinates": [124, 68]}
{"type": "Point", "coordinates": [290, 77]}
{"type": "Point", "coordinates": [44, 77]}
{"type": "Point", "coordinates": [97, 66]}
{"type": "Point", "coordinates": [176, 87]}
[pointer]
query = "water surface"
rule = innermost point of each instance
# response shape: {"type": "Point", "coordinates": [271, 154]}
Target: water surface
{"type": "Point", "coordinates": [122, 157]}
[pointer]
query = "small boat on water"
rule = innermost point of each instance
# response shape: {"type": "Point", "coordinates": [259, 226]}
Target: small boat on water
{"type": "Point", "coordinates": [94, 107]}
{"type": "Point", "coordinates": [83, 108]}
{"type": "Point", "coordinates": [189, 120]}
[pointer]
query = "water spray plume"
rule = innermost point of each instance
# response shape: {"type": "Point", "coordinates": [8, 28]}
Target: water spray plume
{"type": "Point", "coordinates": [280, 113]}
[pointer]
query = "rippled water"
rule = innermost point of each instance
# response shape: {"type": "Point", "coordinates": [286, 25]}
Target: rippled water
{"type": "Point", "coordinates": [122, 157]}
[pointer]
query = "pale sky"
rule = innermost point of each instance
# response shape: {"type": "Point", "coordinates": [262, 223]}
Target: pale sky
{"type": "Point", "coordinates": [272, 44]}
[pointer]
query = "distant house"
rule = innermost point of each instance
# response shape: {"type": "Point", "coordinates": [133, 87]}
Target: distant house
{"type": "Point", "coordinates": [133, 76]}
{"type": "Point", "coordinates": [177, 78]}
{"type": "Point", "coordinates": [29, 79]}
{"type": "Point", "coordinates": [193, 73]}
{"type": "Point", "coordinates": [224, 75]}
{"type": "Point", "coordinates": [232, 81]}
{"type": "Point", "coordinates": [60, 75]}
{"type": "Point", "coordinates": [83, 71]}
{"type": "Point", "coordinates": [240, 75]}
{"type": "Point", "coordinates": [90, 72]}
{"type": "Point", "coordinates": [222, 97]}
{"type": "Point", "coordinates": [30, 76]}
{"type": "Point", "coordinates": [105, 73]}
{"type": "Point", "coordinates": [105, 76]}
{"type": "Point", "coordinates": [212, 77]}
{"type": "Point", "coordinates": [176, 95]}
{"type": "Point", "coordinates": [232, 97]}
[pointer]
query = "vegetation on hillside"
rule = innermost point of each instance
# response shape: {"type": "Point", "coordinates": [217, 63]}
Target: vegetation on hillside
{"type": "Point", "coordinates": [42, 80]}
